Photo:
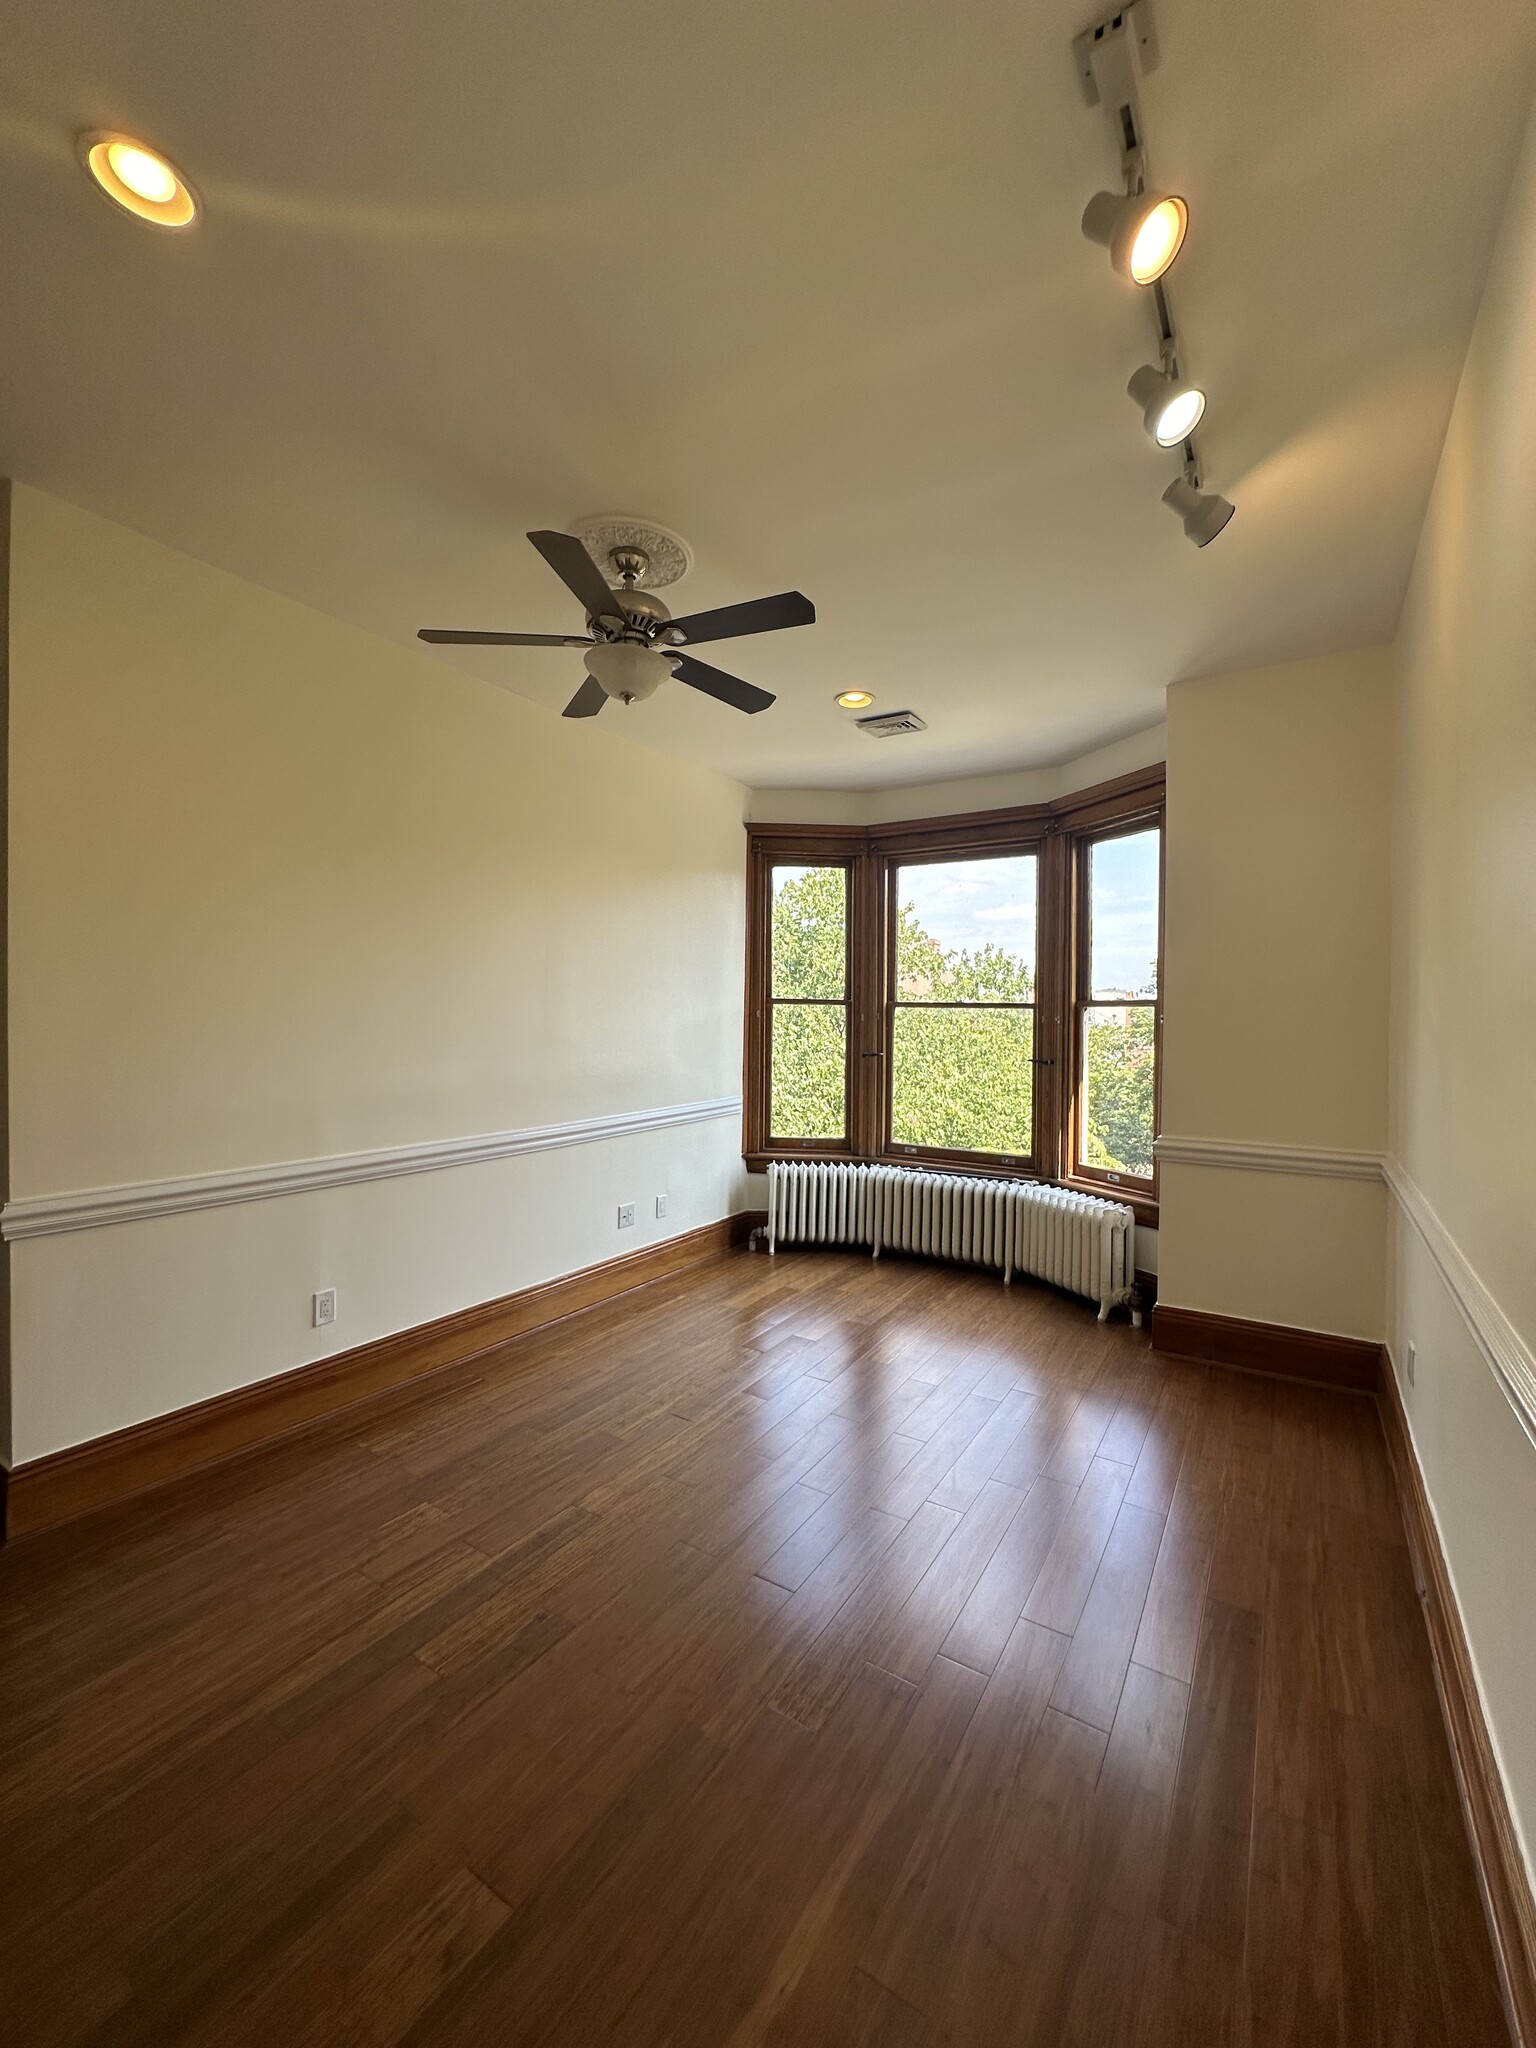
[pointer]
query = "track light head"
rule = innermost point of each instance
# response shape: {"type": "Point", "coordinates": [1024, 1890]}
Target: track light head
{"type": "Point", "coordinates": [1203, 513]}
{"type": "Point", "coordinates": [1143, 231]}
{"type": "Point", "coordinates": [1171, 406]}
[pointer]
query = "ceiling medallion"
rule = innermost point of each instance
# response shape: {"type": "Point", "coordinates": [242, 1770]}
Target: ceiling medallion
{"type": "Point", "coordinates": [668, 557]}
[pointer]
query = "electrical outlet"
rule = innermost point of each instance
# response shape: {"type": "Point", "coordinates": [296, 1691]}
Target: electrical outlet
{"type": "Point", "coordinates": [325, 1308]}
{"type": "Point", "coordinates": [1413, 1352]}
{"type": "Point", "coordinates": [661, 1206]}
{"type": "Point", "coordinates": [626, 1215]}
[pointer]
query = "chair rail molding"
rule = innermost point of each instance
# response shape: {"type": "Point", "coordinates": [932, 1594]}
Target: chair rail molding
{"type": "Point", "coordinates": [1508, 1356]}
{"type": "Point", "coordinates": [91, 1208]}
{"type": "Point", "coordinates": [1319, 1160]}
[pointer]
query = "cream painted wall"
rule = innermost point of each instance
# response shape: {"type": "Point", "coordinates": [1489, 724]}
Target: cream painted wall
{"type": "Point", "coordinates": [1276, 956]}
{"type": "Point", "coordinates": [281, 889]}
{"type": "Point", "coordinates": [1463, 1100]}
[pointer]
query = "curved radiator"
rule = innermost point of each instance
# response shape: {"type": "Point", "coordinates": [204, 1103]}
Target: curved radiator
{"type": "Point", "coordinates": [1074, 1241]}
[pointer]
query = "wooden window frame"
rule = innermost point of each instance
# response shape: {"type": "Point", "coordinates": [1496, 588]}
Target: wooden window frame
{"type": "Point", "coordinates": [1058, 834]}
{"type": "Point", "coordinates": [1136, 1188]}
{"type": "Point", "coordinates": [889, 864]}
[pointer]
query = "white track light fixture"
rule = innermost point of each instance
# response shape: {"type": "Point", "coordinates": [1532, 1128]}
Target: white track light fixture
{"type": "Point", "coordinates": [1144, 231]}
{"type": "Point", "coordinates": [1204, 513]}
{"type": "Point", "coordinates": [1171, 406]}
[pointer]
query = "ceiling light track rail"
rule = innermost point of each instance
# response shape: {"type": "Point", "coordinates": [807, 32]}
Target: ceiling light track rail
{"type": "Point", "coordinates": [1144, 231]}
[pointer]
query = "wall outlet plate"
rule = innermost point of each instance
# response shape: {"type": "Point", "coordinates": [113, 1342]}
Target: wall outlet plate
{"type": "Point", "coordinates": [626, 1215]}
{"type": "Point", "coordinates": [324, 1308]}
{"type": "Point", "coordinates": [661, 1207]}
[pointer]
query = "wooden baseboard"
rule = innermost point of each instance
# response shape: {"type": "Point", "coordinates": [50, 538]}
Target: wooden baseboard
{"type": "Point", "coordinates": [1501, 1872]}
{"type": "Point", "coordinates": [1349, 1364]}
{"type": "Point", "coordinates": [131, 1461]}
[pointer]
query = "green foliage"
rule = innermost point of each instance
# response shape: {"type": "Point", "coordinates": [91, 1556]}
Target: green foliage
{"type": "Point", "coordinates": [809, 1062]}
{"type": "Point", "coordinates": [1120, 1072]}
{"type": "Point", "coordinates": [962, 1079]}
{"type": "Point", "coordinates": [810, 932]}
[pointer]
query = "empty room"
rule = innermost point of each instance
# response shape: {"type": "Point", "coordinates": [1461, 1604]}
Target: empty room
{"type": "Point", "coordinates": [768, 1120]}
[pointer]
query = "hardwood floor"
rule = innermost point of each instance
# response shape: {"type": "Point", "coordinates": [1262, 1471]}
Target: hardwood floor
{"type": "Point", "coordinates": [797, 1651]}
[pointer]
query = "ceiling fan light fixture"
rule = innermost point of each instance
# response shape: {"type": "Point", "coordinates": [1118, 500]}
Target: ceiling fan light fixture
{"type": "Point", "coordinates": [628, 672]}
{"type": "Point", "coordinates": [1204, 513]}
{"type": "Point", "coordinates": [1171, 406]}
{"type": "Point", "coordinates": [855, 700]}
{"type": "Point", "coordinates": [1143, 231]}
{"type": "Point", "coordinates": [139, 179]}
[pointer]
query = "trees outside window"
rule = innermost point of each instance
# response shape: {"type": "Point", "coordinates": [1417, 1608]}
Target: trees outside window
{"type": "Point", "coordinates": [808, 950]}
{"type": "Point", "coordinates": [962, 1018]}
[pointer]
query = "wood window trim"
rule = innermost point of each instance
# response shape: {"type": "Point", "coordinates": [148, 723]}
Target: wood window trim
{"type": "Point", "coordinates": [1077, 1174]}
{"type": "Point", "coordinates": [1057, 833]}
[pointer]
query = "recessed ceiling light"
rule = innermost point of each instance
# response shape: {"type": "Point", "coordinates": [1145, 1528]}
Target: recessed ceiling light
{"type": "Point", "coordinates": [1143, 233]}
{"type": "Point", "coordinates": [855, 700]}
{"type": "Point", "coordinates": [139, 179]}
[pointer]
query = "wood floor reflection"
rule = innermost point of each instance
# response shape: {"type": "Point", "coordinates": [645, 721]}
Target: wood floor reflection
{"type": "Point", "coordinates": [797, 1651]}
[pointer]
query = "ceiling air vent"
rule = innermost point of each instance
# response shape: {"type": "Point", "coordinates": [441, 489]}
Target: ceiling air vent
{"type": "Point", "coordinates": [883, 725]}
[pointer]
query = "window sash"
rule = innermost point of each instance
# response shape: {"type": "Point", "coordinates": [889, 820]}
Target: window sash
{"type": "Point", "coordinates": [1084, 1169]}
{"type": "Point", "coordinates": [775, 1004]}
{"type": "Point", "coordinates": [1079, 1168]}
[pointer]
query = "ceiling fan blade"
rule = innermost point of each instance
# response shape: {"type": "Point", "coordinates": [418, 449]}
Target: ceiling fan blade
{"type": "Point", "coordinates": [714, 682]}
{"type": "Point", "coordinates": [761, 615]}
{"type": "Point", "coordinates": [588, 700]}
{"type": "Point", "coordinates": [444, 638]}
{"type": "Point", "coordinates": [578, 572]}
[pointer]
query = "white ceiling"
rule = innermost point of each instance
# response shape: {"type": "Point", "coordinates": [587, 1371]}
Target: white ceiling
{"type": "Point", "coordinates": [803, 281]}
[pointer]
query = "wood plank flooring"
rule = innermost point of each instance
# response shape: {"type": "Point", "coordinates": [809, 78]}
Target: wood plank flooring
{"type": "Point", "coordinates": [793, 1652]}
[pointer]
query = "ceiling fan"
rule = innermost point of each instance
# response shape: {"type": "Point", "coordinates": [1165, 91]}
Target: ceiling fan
{"type": "Point", "coordinates": [633, 642]}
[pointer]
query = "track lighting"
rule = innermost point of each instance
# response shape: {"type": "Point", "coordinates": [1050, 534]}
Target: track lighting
{"type": "Point", "coordinates": [1204, 513]}
{"type": "Point", "coordinates": [1143, 232]}
{"type": "Point", "coordinates": [1171, 406]}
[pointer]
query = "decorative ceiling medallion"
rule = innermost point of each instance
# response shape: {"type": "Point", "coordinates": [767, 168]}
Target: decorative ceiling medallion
{"type": "Point", "coordinates": [668, 556]}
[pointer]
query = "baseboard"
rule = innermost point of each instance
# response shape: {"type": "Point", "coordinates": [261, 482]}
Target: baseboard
{"type": "Point", "coordinates": [131, 1461]}
{"type": "Point", "coordinates": [1501, 1872]}
{"type": "Point", "coordinates": [1350, 1364]}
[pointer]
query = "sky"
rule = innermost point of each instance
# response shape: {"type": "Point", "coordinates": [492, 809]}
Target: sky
{"type": "Point", "coordinates": [971, 903]}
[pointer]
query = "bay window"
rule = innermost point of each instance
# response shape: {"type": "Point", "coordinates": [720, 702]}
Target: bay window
{"type": "Point", "coordinates": [981, 993]}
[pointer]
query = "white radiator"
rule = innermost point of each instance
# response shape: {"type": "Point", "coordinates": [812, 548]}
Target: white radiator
{"type": "Point", "coordinates": [1074, 1241]}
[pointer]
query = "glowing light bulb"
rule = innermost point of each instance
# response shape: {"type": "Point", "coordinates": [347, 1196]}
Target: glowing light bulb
{"type": "Point", "coordinates": [1158, 240]}
{"type": "Point", "coordinates": [148, 176]}
{"type": "Point", "coordinates": [140, 180]}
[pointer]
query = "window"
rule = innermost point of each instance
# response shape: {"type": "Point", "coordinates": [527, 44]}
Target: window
{"type": "Point", "coordinates": [1115, 1025]}
{"type": "Point", "coordinates": [982, 992]}
{"type": "Point", "coordinates": [962, 1025]}
{"type": "Point", "coordinates": [808, 996]}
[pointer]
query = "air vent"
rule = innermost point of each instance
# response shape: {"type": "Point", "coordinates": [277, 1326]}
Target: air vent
{"type": "Point", "coordinates": [886, 724]}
